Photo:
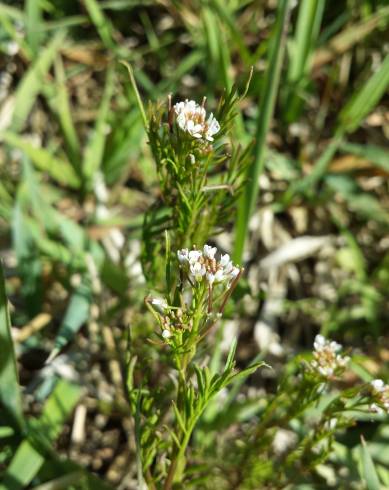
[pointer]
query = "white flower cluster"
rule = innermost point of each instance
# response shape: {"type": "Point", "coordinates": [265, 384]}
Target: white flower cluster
{"type": "Point", "coordinates": [203, 264]}
{"type": "Point", "coordinates": [191, 118]}
{"type": "Point", "coordinates": [327, 358]}
{"type": "Point", "coordinates": [381, 394]}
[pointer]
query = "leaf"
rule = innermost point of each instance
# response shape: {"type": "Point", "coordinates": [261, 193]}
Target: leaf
{"type": "Point", "coordinates": [249, 370]}
{"type": "Point", "coordinates": [231, 356]}
{"type": "Point", "coordinates": [76, 315]}
{"type": "Point", "coordinates": [95, 147]}
{"type": "Point", "coordinates": [59, 170]}
{"type": "Point", "coordinates": [28, 458]}
{"type": "Point", "coordinates": [366, 98]}
{"type": "Point", "coordinates": [31, 84]}
{"type": "Point", "coordinates": [102, 24]}
{"type": "Point", "coordinates": [57, 408]}
{"type": "Point", "coordinates": [10, 398]}
{"type": "Point", "coordinates": [350, 36]}
{"type": "Point", "coordinates": [24, 466]}
{"type": "Point", "coordinates": [369, 473]}
{"type": "Point", "coordinates": [377, 155]}
{"type": "Point", "coordinates": [64, 112]}
{"type": "Point", "coordinates": [268, 98]}
{"type": "Point", "coordinates": [33, 24]}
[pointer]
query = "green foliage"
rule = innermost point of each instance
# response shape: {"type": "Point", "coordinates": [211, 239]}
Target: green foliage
{"type": "Point", "coordinates": [97, 173]}
{"type": "Point", "coordinates": [10, 398]}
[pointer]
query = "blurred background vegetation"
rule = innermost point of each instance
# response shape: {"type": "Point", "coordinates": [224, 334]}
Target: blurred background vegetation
{"type": "Point", "coordinates": [76, 178]}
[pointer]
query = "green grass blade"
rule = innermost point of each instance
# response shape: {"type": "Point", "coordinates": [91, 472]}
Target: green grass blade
{"type": "Point", "coordinates": [369, 473]}
{"type": "Point", "coordinates": [64, 112]}
{"type": "Point", "coordinates": [102, 24]}
{"type": "Point", "coordinates": [268, 97]}
{"type": "Point", "coordinates": [307, 30]}
{"type": "Point", "coordinates": [7, 15]}
{"type": "Point", "coordinates": [28, 459]}
{"type": "Point", "coordinates": [94, 150]}
{"type": "Point", "coordinates": [59, 170]}
{"type": "Point", "coordinates": [24, 466]}
{"type": "Point", "coordinates": [31, 84]}
{"type": "Point", "coordinates": [137, 95]}
{"type": "Point", "coordinates": [33, 17]}
{"type": "Point", "coordinates": [76, 315]}
{"type": "Point", "coordinates": [10, 398]}
{"type": "Point", "coordinates": [377, 155]}
{"type": "Point", "coordinates": [57, 409]}
{"type": "Point", "coordinates": [365, 99]}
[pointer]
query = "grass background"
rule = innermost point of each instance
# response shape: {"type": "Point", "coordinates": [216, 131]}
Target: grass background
{"type": "Point", "coordinates": [77, 177]}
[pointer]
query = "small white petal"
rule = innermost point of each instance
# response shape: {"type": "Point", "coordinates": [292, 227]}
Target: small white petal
{"type": "Point", "coordinates": [159, 304]}
{"type": "Point", "coordinates": [210, 278]}
{"type": "Point", "coordinates": [182, 255]}
{"type": "Point", "coordinates": [209, 251]}
{"type": "Point", "coordinates": [194, 256]}
{"type": "Point", "coordinates": [224, 260]}
{"type": "Point", "coordinates": [378, 384]}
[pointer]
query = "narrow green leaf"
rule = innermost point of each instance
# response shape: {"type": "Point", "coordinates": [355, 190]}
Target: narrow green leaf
{"type": "Point", "coordinates": [64, 112]}
{"type": "Point", "coordinates": [94, 150]}
{"type": "Point", "coordinates": [369, 473]}
{"type": "Point", "coordinates": [64, 482]}
{"type": "Point", "coordinates": [33, 17]}
{"type": "Point", "coordinates": [10, 398]}
{"type": "Point", "coordinates": [102, 24]}
{"type": "Point", "coordinates": [57, 409]}
{"type": "Point", "coordinates": [31, 84]}
{"type": "Point", "coordinates": [179, 418]}
{"type": "Point", "coordinates": [268, 97]}
{"type": "Point", "coordinates": [76, 315]}
{"type": "Point", "coordinates": [137, 95]}
{"type": "Point", "coordinates": [249, 370]}
{"type": "Point", "coordinates": [377, 155]}
{"type": "Point", "coordinates": [28, 459]}
{"type": "Point", "coordinates": [231, 356]}
{"type": "Point", "coordinates": [24, 466]}
{"type": "Point", "coordinates": [59, 170]}
{"type": "Point", "coordinates": [366, 98]}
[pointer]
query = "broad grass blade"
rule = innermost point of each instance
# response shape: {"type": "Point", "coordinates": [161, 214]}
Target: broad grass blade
{"type": "Point", "coordinates": [10, 398]}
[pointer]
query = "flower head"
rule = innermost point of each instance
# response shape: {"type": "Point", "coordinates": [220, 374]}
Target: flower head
{"type": "Point", "coordinates": [191, 118]}
{"type": "Point", "coordinates": [328, 360]}
{"type": "Point", "coordinates": [203, 264]}
{"type": "Point", "coordinates": [380, 393]}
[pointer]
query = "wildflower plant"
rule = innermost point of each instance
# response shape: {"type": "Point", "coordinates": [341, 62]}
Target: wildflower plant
{"type": "Point", "coordinates": [201, 174]}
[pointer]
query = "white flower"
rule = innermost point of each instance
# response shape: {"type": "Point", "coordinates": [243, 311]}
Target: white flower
{"type": "Point", "coordinates": [197, 270]}
{"type": "Point", "coordinates": [378, 385]}
{"type": "Point", "coordinates": [213, 127]}
{"type": "Point", "coordinates": [380, 396]}
{"type": "Point", "coordinates": [191, 118]}
{"type": "Point", "coordinates": [327, 359]}
{"type": "Point", "coordinates": [182, 255]}
{"type": "Point", "coordinates": [235, 271]}
{"type": "Point", "coordinates": [210, 277]}
{"type": "Point", "coordinates": [159, 304]}
{"type": "Point", "coordinates": [209, 251]}
{"type": "Point", "coordinates": [374, 408]}
{"type": "Point", "coordinates": [219, 276]}
{"type": "Point", "coordinates": [204, 264]}
{"type": "Point", "coordinates": [194, 256]}
{"type": "Point", "coordinates": [224, 260]}
{"type": "Point", "coordinates": [166, 334]}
